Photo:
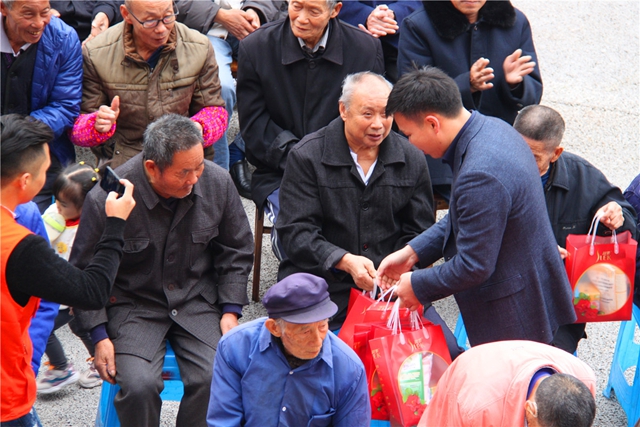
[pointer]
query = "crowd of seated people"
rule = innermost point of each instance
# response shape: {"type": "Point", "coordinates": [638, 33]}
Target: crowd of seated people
{"type": "Point", "coordinates": [353, 115]}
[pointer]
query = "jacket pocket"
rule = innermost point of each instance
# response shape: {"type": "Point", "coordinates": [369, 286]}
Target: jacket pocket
{"type": "Point", "coordinates": [323, 420]}
{"type": "Point", "coordinates": [501, 289]}
{"type": "Point", "coordinates": [198, 254]}
{"type": "Point", "coordinates": [138, 256]}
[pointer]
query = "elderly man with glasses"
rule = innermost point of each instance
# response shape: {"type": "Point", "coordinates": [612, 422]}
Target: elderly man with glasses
{"type": "Point", "coordinates": [140, 69]}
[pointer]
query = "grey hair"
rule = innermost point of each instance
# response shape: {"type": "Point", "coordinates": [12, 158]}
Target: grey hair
{"type": "Point", "coordinates": [8, 3]}
{"type": "Point", "coordinates": [168, 135]}
{"type": "Point", "coordinates": [542, 124]}
{"type": "Point", "coordinates": [281, 324]}
{"type": "Point", "coordinates": [331, 4]}
{"type": "Point", "coordinates": [350, 83]}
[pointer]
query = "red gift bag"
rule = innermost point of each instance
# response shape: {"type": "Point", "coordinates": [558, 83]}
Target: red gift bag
{"type": "Point", "coordinates": [409, 365]}
{"type": "Point", "coordinates": [601, 272]}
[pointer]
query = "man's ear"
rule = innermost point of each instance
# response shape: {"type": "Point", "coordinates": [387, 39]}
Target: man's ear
{"type": "Point", "coordinates": [556, 154]}
{"type": "Point", "coordinates": [343, 111]}
{"type": "Point", "coordinates": [431, 122]}
{"type": "Point", "coordinates": [125, 14]}
{"type": "Point", "coordinates": [336, 10]}
{"type": "Point", "coordinates": [273, 327]}
{"type": "Point", "coordinates": [24, 180]}
{"type": "Point", "coordinates": [531, 413]}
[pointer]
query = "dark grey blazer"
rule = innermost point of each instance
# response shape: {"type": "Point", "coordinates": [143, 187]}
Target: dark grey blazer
{"type": "Point", "coordinates": [326, 210]}
{"type": "Point", "coordinates": [502, 262]}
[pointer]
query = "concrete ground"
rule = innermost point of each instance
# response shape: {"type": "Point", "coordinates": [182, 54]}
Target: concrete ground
{"type": "Point", "coordinates": [588, 53]}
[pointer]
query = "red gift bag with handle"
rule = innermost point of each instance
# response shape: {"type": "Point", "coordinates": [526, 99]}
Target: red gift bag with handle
{"type": "Point", "coordinates": [601, 272]}
{"type": "Point", "coordinates": [409, 364]}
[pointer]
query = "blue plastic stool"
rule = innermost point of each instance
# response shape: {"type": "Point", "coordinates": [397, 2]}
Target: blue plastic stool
{"type": "Point", "coordinates": [625, 356]}
{"type": "Point", "coordinates": [461, 334]}
{"type": "Point", "coordinates": [173, 391]}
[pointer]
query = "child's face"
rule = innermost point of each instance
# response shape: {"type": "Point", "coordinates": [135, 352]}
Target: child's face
{"type": "Point", "coordinates": [67, 209]}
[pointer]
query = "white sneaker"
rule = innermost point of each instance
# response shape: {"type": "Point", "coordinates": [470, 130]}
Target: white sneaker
{"type": "Point", "coordinates": [55, 380]}
{"type": "Point", "coordinates": [90, 378]}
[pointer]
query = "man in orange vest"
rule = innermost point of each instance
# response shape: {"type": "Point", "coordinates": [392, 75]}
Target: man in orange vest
{"type": "Point", "coordinates": [32, 270]}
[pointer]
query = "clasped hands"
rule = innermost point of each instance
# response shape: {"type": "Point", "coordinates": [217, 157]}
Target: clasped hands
{"type": "Point", "coordinates": [381, 21]}
{"type": "Point", "coordinates": [515, 67]}
{"type": "Point", "coordinates": [395, 269]}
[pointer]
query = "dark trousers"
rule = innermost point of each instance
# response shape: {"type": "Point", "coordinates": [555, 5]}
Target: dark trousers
{"type": "Point", "coordinates": [54, 350]}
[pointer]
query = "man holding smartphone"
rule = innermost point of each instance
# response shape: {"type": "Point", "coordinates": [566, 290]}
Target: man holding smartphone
{"type": "Point", "coordinates": [187, 255]}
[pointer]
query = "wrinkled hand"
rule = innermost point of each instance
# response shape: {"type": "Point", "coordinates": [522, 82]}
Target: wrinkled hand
{"type": "Point", "coordinates": [253, 18]}
{"type": "Point", "coordinates": [480, 75]}
{"type": "Point", "coordinates": [405, 294]}
{"type": "Point", "coordinates": [228, 322]}
{"type": "Point", "coordinates": [237, 22]}
{"type": "Point", "coordinates": [563, 252]}
{"type": "Point", "coordinates": [98, 25]}
{"type": "Point", "coordinates": [516, 67]}
{"type": "Point", "coordinates": [360, 268]}
{"type": "Point", "coordinates": [381, 21]}
{"type": "Point", "coordinates": [105, 360]}
{"type": "Point", "coordinates": [107, 115]}
{"type": "Point", "coordinates": [612, 215]}
{"type": "Point", "coordinates": [394, 265]}
{"type": "Point", "coordinates": [120, 207]}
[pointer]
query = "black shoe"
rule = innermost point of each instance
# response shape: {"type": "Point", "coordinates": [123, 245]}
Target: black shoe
{"type": "Point", "coordinates": [241, 178]}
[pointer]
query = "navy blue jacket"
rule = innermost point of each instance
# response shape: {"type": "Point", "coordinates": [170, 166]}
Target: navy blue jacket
{"type": "Point", "coordinates": [501, 259]}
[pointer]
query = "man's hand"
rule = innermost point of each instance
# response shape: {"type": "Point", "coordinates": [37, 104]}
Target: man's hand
{"type": "Point", "coordinates": [516, 67]}
{"type": "Point", "coordinates": [105, 360]}
{"type": "Point", "coordinates": [405, 293]}
{"type": "Point", "coordinates": [237, 22]}
{"type": "Point", "coordinates": [107, 115]}
{"type": "Point", "coordinates": [98, 25]}
{"type": "Point", "coordinates": [360, 268]}
{"type": "Point", "coordinates": [253, 18]}
{"type": "Point", "coordinates": [480, 75]}
{"type": "Point", "coordinates": [120, 207]}
{"type": "Point", "coordinates": [563, 252]}
{"type": "Point", "coordinates": [381, 21]}
{"type": "Point", "coordinates": [394, 265]}
{"type": "Point", "coordinates": [228, 322]}
{"type": "Point", "coordinates": [611, 215]}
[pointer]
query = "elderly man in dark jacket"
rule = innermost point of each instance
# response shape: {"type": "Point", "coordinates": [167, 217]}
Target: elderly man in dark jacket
{"type": "Point", "coordinates": [352, 193]}
{"type": "Point", "coordinates": [574, 191]}
{"type": "Point", "coordinates": [486, 47]}
{"type": "Point", "coordinates": [294, 90]}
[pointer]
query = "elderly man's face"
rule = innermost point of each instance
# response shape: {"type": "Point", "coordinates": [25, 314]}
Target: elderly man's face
{"type": "Point", "coordinates": [469, 8]}
{"type": "Point", "coordinates": [366, 124]}
{"type": "Point", "coordinates": [178, 179]}
{"type": "Point", "coordinates": [25, 21]}
{"type": "Point", "coordinates": [149, 39]}
{"type": "Point", "coordinates": [541, 153]}
{"type": "Point", "coordinates": [303, 341]}
{"type": "Point", "coordinates": [309, 18]}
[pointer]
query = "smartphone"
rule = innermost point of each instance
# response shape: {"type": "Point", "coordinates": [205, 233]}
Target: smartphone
{"type": "Point", "coordinates": [111, 182]}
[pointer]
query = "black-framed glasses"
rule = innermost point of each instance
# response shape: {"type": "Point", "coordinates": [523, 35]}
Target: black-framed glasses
{"type": "Point", "coordinates": [152, 23]}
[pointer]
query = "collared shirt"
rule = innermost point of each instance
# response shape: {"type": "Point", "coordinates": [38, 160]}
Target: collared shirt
{"type": "Point", "coordinates": [450, 154]}
{"type": "Point", "coordinates": [253, 384]}
{"type": "Point", "coordinates": [365, 178]}
{"type": "Point", "coordinates": [322, 43]}
{"type": "Point", "coordinates": [5, 44]}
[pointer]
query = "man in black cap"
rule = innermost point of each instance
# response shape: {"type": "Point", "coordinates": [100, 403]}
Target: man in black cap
{"type": "Point", "coordinates": [287, 369]}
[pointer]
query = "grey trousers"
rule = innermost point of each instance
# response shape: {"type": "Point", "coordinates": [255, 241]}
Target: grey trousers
{"type": "Point", "coordinates": [138, 402]}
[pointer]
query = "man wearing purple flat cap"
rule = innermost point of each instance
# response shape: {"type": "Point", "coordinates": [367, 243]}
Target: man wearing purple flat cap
{"type": "Point", "coordinates": [287, 370]}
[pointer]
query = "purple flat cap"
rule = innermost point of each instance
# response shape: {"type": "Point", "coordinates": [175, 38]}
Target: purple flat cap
{"type": "Point", "coordinates": [299, 298]}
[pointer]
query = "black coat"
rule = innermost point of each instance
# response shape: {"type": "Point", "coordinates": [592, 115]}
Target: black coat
{"type": "Point", "coordinates": [574, 192]}
{"type": "Point", "coordinates": [283, 96]}
{"type": "Point", "coordinates": [326, 210]}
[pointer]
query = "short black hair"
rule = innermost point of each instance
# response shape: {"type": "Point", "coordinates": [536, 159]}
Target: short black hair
{"type": "Point", "coordinates": [564, 401]}
{"type": "Point", "coordinates": [542, 124]}
{"type": "Point", "coordinates": [21, 144]}
{"type": "Point", "coordinates": [425, 90]}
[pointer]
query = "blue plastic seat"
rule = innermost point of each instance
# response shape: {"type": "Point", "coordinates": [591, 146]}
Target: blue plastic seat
{"type": "Point", "coordinates": [461, 334]}
{"type": "Point", "coordinates": [173, 391]}
{"type": "Point", "coordinates": [625, 356]}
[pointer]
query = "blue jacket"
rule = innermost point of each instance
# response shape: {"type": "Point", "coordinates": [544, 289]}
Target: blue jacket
{"type": "Point", "coordinates": [254, 386]}
{"type": "Point", "coordinates": [501, 259]}
{"type": "Point", "coordinates": [56, 90]}
{"type": "Point", "coordinates": [357, 12]}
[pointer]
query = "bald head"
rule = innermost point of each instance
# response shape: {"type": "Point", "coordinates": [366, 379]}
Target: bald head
{"type": "Point", "coordinates": [362, 81]}
{"type": "Point", "coordinates": [541, 124]}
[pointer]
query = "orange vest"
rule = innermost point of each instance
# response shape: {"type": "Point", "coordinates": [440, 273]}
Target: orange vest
{"type": "Point", "coordinates": [17, 380]}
